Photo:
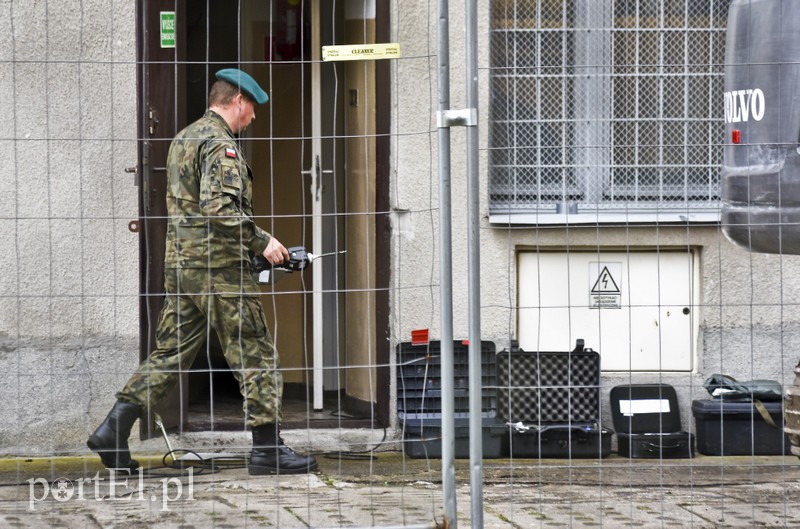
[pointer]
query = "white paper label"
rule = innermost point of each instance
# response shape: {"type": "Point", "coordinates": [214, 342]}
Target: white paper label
{"type": "Point", "coordinates": [634, 407]}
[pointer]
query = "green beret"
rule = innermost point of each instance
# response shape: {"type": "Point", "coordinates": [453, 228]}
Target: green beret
{"type": "Point", "coordinates": [245, 83]}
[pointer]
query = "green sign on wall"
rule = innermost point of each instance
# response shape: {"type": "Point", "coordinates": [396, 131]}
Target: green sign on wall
{"type": "Point", "coordinates": [167, 29]}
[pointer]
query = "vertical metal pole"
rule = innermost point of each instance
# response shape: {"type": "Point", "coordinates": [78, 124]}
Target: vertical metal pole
{"type": "Point", "coordinates": [473, 271]}
{"type": "Point", "coordinates": [316, 197]}
{"type": "Point", "coordinates": [446, 273]}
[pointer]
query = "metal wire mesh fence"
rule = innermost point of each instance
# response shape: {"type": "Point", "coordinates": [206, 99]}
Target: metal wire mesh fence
{"type": "Point", "coordinates": [604, 144]}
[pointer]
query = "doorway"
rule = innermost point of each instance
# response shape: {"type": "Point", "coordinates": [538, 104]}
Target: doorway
{"type": "Point", "coordinates": [316, 185]}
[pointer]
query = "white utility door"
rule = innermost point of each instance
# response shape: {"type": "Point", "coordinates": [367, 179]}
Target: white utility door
{"type": "Point", "coordinates": [635, 308]}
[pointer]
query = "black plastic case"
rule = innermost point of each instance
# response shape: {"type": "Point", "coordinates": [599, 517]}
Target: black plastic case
{"type": "Point", "coordinates": [648, 422]}
{"type": "Point", "coordinates": [727, 428]}
{"type": "Point", "coordinates": [561, 441]}
{"type": "Point", "coordinates": [549, 387]}
{"type": "Point", "coordinates": [422, 438]}
{"type": "Point", "coordinates": [419, 380]}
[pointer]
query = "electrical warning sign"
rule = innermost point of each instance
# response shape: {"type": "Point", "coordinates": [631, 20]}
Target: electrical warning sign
{"type": "Point", "coordinates": [605, 279]}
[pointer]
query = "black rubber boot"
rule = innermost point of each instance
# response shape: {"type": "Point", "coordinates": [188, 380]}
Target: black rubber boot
{"type": "Point", "coordinates": [110, 440]}
{"type": "Point", "coordinates": [271, 456]}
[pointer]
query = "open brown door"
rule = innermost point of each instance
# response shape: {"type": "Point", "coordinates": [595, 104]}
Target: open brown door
{"type": "Point", "coordinates": [174, 76]}
{"type": "Point", "coordinates": [162, 112]}
{"type": "Point", "coordinates": [173, 86]}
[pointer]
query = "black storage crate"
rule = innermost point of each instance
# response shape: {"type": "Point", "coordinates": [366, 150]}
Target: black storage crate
{"type": "Point", "coordinates": [726, 428]}
{"type": "Point", "coordinates": [549, 387]}
{"type": "Point", "coordinates": [648, 422]}
{"type": "Point", "coordinates": [422, 438]}
{"type": "Point", "coordinates": [419, 380]}
{"type": "Point", "coordinates": [570, 441]}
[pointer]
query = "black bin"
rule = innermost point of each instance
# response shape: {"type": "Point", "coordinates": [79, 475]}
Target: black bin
{"type": "Point", "coordinates": [726, 428]}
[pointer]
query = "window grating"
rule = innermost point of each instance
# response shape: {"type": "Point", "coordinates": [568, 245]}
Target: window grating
{"type": "Point", "coordinates": [606, 106]}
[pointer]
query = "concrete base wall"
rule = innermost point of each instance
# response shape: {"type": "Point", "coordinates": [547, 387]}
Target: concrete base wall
{"type": "Point", "coordinates": [69, 267]}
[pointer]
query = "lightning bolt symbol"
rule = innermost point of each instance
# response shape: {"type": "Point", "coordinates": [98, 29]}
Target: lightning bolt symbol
{"type": "Point", "coordinates": [605, 281]}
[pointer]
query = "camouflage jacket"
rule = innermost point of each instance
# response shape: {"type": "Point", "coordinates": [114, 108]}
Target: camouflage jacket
{"type": "Point", "coordinates": [210, 199]}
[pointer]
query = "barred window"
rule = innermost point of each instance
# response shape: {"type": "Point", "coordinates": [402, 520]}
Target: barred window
{"type": "Point", "coordinates": [602, 108]}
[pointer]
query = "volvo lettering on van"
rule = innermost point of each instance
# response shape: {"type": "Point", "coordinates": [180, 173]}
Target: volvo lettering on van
{"type": "Point", "coordinates": [741, 105]}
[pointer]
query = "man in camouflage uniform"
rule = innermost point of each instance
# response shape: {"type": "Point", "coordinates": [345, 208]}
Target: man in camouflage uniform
{"type": "Point", "coordinates": [211, 237]}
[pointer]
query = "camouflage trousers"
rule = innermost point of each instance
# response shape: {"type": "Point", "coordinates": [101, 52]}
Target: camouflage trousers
{"type": "Point", "coordinates": [227, 302]}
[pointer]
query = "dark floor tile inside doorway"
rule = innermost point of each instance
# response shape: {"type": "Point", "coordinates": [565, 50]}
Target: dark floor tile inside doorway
{"type": "Point", "coordinates": [227, 415]}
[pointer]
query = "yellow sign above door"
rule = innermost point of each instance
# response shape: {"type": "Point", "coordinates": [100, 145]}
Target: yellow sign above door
{"type": "Point", "coordinates": [361, 52]}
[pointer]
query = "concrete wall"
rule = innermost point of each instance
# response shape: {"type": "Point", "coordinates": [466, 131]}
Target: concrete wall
{"type": "Point", "coordinates": [748, 323]}
{"type": "Point", "coordinates": [69, 266]}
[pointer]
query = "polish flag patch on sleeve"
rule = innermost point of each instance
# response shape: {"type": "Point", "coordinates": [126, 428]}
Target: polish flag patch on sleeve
{"type": "Point", "coordinates": [230, 153]}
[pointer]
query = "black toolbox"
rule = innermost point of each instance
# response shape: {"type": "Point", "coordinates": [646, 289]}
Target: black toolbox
{"type": "Point", "coordinates": [648, 422]}
{"type": "Point", "coordinates": [422, 438]}
{"type": "Point", "coordinates": [419, 400]}
{"type": "Point", "coordinates": [572, 441]}
{"type": "Point", "coordinates": [419, 380]}
{"type": "Point", "coordinates": [551, 402]}
{"type": "Point", "coordinates": [731, 428]}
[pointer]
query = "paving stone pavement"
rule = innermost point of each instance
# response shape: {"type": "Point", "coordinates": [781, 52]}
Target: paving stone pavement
{"type": "Point", "coordinates": [393, 491]}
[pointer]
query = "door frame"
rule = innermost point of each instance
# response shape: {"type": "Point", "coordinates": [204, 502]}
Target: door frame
{"type": "Point", "coordinates": [160, 74]}
{"type": "Point", "coordinates": [383, 223]}
{"type": "Point", "coordinates": [161, 84]}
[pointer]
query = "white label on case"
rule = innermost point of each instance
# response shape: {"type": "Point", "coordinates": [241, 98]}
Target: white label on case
{"type": "Point", "coordinates": [633, 407]}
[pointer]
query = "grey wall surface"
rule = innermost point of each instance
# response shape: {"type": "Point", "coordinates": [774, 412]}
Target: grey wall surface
{"type": "Point", "coordinates": [69, 265]}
